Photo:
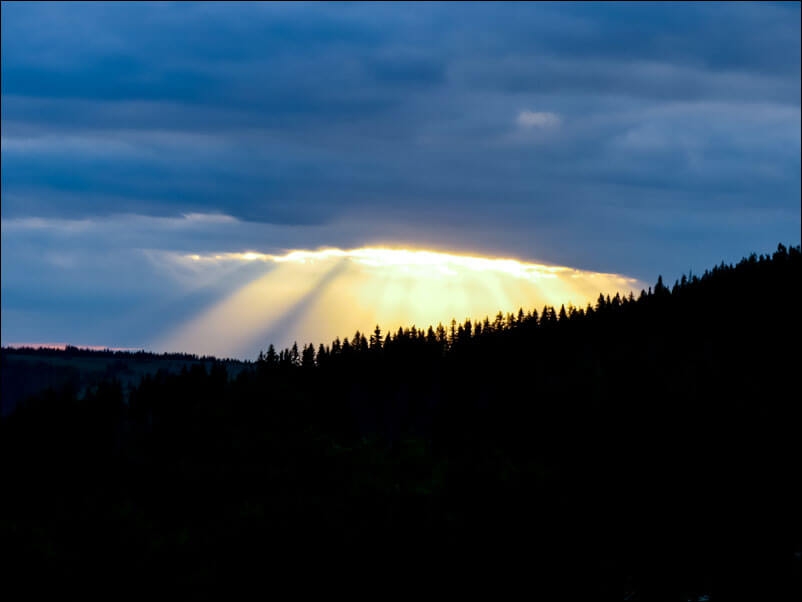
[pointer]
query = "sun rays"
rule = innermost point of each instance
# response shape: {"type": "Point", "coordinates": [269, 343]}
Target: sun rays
{"type": "Point", "coordinates": [315, 296]}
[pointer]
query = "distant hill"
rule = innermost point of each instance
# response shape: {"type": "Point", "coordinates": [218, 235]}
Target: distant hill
{"type": "Point", "coordinates": [26, 371]}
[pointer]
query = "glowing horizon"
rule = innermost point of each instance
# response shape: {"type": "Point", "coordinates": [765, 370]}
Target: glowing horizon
{"type": "Point", "coordinates": [63, 347]}
{"type": "Point", "coordinates": [314, 296]}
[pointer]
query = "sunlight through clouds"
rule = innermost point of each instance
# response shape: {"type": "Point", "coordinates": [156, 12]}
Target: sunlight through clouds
{"type": "Point", "coordinates": [315, 296]}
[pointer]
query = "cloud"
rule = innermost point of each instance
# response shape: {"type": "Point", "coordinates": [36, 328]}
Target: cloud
{"type": "Point", "coordinates": [353, 125]}
{"type": "Point", "coordinates": [538, 119]}
{"type": "Point", "coordinates": [630, 77]}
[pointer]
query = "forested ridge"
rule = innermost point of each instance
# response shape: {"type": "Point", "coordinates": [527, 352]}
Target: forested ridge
{"type": "Point", "coordinates": [646, 447]}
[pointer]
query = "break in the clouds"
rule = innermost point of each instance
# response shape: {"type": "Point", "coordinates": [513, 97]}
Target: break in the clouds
{"type": "Point", "coordinates": [322, 294]}
{"type": "Point", "coordinates": [632, 139]}
{"type": "Point", "coordinates": [158, 284]}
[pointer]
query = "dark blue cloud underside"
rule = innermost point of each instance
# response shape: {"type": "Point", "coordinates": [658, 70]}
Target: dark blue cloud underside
{"type": "Point", "coordinates": [675, 121]}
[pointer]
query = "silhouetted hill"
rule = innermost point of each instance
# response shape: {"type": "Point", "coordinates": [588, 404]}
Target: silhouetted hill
{"type": "Point", "coordinates": [27, 371]}
{"type": "Point", "coordinates": [645, 447]}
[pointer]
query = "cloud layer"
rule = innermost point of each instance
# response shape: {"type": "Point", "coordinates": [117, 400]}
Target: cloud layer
{"type": "Point", "coordinates": [635, 139]}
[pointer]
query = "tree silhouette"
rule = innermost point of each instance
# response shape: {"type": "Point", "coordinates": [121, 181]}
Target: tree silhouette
{"type": "Point", "coordinates": [376, 339]}
{"type": "Point", "coordinates": [308, 356]}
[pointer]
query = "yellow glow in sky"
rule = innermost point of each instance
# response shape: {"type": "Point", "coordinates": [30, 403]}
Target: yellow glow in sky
{"type": "Point", "coordinates": [315, 296]}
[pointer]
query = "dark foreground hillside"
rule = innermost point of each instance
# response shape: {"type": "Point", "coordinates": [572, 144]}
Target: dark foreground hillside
{"type": "Point", "coordinates": [646, 449]}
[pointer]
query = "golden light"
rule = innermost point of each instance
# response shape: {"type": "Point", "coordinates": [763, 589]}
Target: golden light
{"type": "Point", "coordinates": [315, 296]}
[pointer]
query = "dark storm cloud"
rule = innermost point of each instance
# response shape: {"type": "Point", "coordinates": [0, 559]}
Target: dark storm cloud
{"type": "Point", "coordinates": [633, 138]}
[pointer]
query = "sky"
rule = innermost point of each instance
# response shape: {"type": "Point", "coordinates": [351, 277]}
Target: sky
{"type": "Point", "coordinates": [161, 161]}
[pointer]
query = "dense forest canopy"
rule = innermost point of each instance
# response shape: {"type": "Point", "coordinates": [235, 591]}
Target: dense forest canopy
{"type": "Point", "coordinates": [645, 446]}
